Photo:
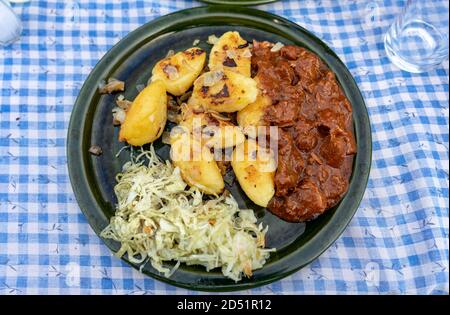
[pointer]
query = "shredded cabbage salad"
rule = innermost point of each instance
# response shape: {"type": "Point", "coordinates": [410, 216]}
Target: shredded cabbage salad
{"type": "Point", "coordinates": [158, 219]}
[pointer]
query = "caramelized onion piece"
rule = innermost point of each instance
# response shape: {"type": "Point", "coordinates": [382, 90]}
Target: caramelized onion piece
{"type": "Point", "coordinates": [113, 85]}
{"type": "Point", "coordinates": [95, 150]}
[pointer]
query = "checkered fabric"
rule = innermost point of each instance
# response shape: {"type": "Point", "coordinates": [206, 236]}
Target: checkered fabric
{"type": "Point", "coordinates": [397, 243]}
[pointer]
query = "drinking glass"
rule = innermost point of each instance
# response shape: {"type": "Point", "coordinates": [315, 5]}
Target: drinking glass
{"type": "Point", "coordinates": [418, 40]}
{"type": "Point", "coordinates": [10, 25]}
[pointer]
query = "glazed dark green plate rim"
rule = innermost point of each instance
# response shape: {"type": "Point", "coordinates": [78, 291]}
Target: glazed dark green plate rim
{"type": "Point", "coordinates": [238, 2]}
{"type": "Point", "coordinates": [79, 130]}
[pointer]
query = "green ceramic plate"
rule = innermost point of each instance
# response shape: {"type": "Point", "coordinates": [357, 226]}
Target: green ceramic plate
{"type": "Point", "coordinates": [131, 60]}
{"type": "Point", "coordinates": [238, 2]}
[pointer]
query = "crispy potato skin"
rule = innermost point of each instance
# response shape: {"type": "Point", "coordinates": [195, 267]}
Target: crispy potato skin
{"type": "Point", "coordinates": [179, 71]}
{"type": "Point", "coordinates": [231, 53]}
{"type": "Point", "coordinates": [231, 93]}
{"type": "Point", "coordinates": [200, 171]}
{"type": "Point", "coordinates": [254, 172]}
{"type": "Point", "coordinates": [147, 116]}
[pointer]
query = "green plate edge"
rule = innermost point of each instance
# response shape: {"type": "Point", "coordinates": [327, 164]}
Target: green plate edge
{"type": "Point", "coordinates": [77, 146]}
{"type": "Point", "coordinates": [238, 2]}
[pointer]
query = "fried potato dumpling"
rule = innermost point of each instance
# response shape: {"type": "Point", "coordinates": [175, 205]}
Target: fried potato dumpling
{"type": "Point", "coordinates": [231, 52]}
{"type": "Point", "coordinates": [147, 116]}
{"type": "Point", "coordinates": [179, 71]}
{"type": "Point", "coordinates": [255, 167]}
{"type": "Point", "coordinates": [197, 165]}
{"type": "Point", "coordinates": [214, 130]}
{"type": "Point", "coordinates": [223, 91]}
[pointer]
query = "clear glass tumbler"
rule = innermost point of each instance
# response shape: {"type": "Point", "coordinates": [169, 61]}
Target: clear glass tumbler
{"type": "Point", "coordinates": [418, 40]}
{"type": "Point", "coordinates": [10, 25]}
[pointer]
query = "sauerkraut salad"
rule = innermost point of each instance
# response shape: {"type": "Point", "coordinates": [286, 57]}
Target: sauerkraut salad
{"type": "Point", "coordinates": [158, 220]}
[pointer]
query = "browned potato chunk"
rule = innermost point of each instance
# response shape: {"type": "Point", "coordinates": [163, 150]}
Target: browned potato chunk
{"type": "Point", "coordinates": [197, 165]}
{"type": "Point", "coordinates": [252, 115]}
{"type": "Point", "coordinates": [147, 116]}
{"type": "Point", "coordinates": [231, 53]}
{"type": "Point", "coordinates": [223, 91]}
{"type": "Point", "coordinates": [179, 71]}
{"type": "Point", "coordinates": [255, 167]}
{"type": "Point", "coordinates": [214, 129]}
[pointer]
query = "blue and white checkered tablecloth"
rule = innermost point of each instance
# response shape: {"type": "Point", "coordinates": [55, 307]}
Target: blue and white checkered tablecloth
{"type": "Point", "coordinates": [396, 244]}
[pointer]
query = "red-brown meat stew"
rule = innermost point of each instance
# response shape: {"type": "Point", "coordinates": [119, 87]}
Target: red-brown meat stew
{"type": "Point", "coordinates": [316, 141]}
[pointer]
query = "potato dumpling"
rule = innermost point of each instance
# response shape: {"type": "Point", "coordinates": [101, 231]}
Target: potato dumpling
{"type": "Point", "coordinates": [252, 115]}
{"type": "Point", "coordinates": [255, 167]}
{"type": "Point", "coordinates": [179, 71]}
{"type": "Point", "coordinates": [231, 52]}
{"type": "Point", "coordinates": [147, 116]}
{"type": "Point", "coordinates": [214, 130]}
{"type": "Point", "coordinates": [197, 165]}
{"type": "Point", "coordinates": [223, 91]}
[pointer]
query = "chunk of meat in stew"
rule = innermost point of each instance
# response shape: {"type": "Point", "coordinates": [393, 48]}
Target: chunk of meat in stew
{"type": "Point", "coordinates": [290, 164]}
{"type": "Point", "coordinates": [304, 203]}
